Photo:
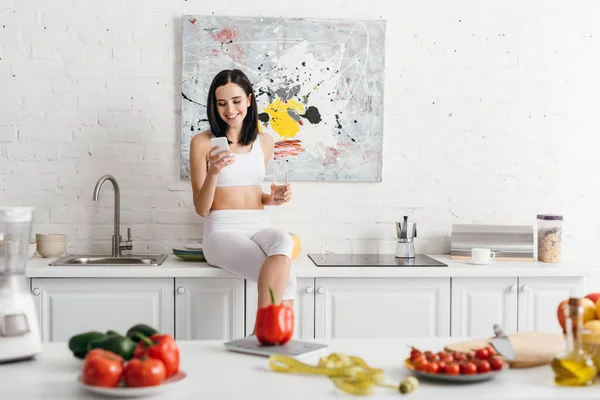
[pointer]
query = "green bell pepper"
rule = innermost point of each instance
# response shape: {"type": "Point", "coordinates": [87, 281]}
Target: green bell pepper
{"type": "Point", "coordinates": [144, 329]}
{"type": "Point", "coordinates": [118, 344]}
{"type": "Point", "coordinates": [78, 344]}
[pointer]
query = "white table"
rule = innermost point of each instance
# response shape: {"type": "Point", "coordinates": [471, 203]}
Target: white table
{"type": "Point", "coordinates": [214, 373]}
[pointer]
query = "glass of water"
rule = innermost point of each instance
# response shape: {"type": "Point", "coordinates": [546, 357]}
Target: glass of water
{"type": "Point", "coordinates": [280, 179]}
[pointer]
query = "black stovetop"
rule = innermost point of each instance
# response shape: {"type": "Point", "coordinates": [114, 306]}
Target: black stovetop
{"type": "Point", "coordinates": [373, 260]}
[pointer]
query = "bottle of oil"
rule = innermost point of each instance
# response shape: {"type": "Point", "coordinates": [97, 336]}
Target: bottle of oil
{"type": "Point", "coordinates": [574, 367]}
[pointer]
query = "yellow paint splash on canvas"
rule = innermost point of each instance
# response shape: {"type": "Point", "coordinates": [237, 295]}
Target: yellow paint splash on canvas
{"type": "Point", "coordinates": [280, 120]}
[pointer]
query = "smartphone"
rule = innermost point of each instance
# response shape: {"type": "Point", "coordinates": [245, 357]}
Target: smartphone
{"type": "Point", "coordinates": [221, 143]}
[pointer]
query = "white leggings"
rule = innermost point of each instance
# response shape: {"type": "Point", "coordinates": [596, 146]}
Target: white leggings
{"type": "Point", "coordinates": [239, 241]}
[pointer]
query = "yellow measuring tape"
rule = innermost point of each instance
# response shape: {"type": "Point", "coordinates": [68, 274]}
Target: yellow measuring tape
{"type": "Point", "coordinates": [350, 374]}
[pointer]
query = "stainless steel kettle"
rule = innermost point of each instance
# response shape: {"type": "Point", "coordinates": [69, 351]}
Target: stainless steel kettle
{"type": "Point", "coordinates": [407, 231]}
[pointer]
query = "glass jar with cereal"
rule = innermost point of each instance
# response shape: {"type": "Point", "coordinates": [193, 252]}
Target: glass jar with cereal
{"type": "Point", "coordinates": [549, 237]}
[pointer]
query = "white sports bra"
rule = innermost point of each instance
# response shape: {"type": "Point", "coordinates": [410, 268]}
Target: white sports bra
{"type": "Point", "coordinates": [248, 169]}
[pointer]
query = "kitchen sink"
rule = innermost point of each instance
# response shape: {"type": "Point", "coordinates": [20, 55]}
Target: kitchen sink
{"type": "Point", "coordinates": [108, 261]}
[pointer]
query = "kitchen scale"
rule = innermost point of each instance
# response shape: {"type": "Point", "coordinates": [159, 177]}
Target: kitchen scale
{"type": "Point", "coordinates": [373, 260]}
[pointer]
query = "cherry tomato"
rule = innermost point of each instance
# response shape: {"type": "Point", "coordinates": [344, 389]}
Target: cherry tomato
{"type": "Point", "coordinates": [496, 363]}
{"type": "Point", "coordinates": [102, 368]}
{"type": "Point", "coordinates": [414, 354]}
{"type": "Point", "coordinates": [448, 359]}
{"type": "Point", "coordinates": [483, 353]}
{"type": "Point", "coordinates": [483, 366]}
{"type": "Point", "coordinates": [144, 372]}
{"type": "Point", "coordinates": [452, 369]}
{"type": "Point", "coordinates": [468, 368]}
{"type": "Point", "coordinates": [459, 356]}
{"type": "Point", "coordinates": [491, 350]}
{"type": "Point", "coordinates": [470, 354]}
{"type": "Point", "coordinates": [432, 368]}
{"type": "Point", "coordinates": [420, 364]}
{"type": "Point", "coordinates": [442, 367]}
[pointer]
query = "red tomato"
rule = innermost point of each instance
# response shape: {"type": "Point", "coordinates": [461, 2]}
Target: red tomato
{"type": "Point", "coordinates": [470, 354]}
{"type": "Point", "coordinates": [144, 372]}
{"type": "Point", "coordinates": [491, 350]}
{"type": "Point", "coordinates": [447, 359]}
{"type": "Point", "coordinates": [496, 363]}
{"type": "Point", "coordinates": [420, 364]}
{"type": "Point", "coordinates": [443, 366]}
{"type": "Point", "coordinates": [432, 368]}
{"type": "Point", "coordinates": [102, 368]}
{"type": "Point", "coordinates": [483, 366]}
{"type": "Point", "coordinates": [459, 356]}
{"type": "Point", "coordinates": [453, 369]}
{"type": "Point", "coordinates": [431, 356]}
{"type": "Point", "coordinates": [414, 354]}
{"type": "Point", "coordinates": [105, 354]}
{"type": "Point", "coordinates": [483, 353]}
{"type": "Point", "coordinates": [468, 368]}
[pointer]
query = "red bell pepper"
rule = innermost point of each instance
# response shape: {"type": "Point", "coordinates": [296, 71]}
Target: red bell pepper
{"type": "Point", "coordinates": [274, 323]}
{"type": "Point", "coordinates": [160, 347]}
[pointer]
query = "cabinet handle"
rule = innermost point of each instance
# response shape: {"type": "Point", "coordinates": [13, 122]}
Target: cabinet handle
{"type": "Point", "coordinates": [525, 288]}
{"type": "Point", "coordinates": [321, 290]}
{"type": "Point", "coordinates": [36, 291]}
{"type": "Point", "coordinates": [513, 288]}
{"type": "Point", "coordinates": [309, 289]}
{"type": "Point", "coordinates": [181, 290]}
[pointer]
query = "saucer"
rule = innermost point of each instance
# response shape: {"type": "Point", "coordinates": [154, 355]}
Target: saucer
{"type": "Point", "coordinates": [481, 262]}
{"type": "Point", "coordinates": [123, 392]}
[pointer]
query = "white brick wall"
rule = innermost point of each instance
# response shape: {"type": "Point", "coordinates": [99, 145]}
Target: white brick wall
{"type": "Point", "coordinates": [491, 117]}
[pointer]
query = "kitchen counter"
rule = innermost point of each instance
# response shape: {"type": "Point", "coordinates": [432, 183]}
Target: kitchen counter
{"type": "Point", "coordinates": [214, 373]}
{"type": "Point", "coordinates": [304, 268]}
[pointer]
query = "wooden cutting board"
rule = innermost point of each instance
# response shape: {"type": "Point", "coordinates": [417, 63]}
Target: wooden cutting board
{"type": "Point", "coordinates": [531, 348]}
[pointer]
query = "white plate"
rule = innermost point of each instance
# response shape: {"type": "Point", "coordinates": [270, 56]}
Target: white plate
{"type": "Point", "coordinates": [481, 262]}
{"type": "Point", "coordinates": [193, 246]}
{"type": "Point", "coordinates": [128, 392]}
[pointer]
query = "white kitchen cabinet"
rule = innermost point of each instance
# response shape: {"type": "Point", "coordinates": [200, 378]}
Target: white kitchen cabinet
{"type": "Point", "coordinates": [517, 304]}
{"type": "Point", "coordinates": [539, 299]}
{"type": "Point", "coordinates": [479, 303]}
{"type": "Point", "coordinates": [381, 307]}
{"type": "Point", "coordinates": [68, 306]}
{"type": "Point", "coordinates": [209, 308]}
{"type": "Point", "coordinates": [304, 308]}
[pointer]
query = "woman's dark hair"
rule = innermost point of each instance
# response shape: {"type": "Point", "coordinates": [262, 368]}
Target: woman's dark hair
{"type": "Point", "coordinates": [218, 127]}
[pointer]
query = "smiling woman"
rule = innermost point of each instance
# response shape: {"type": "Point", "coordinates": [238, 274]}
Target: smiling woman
{"type": "Point", "coordinates": [227, 191]}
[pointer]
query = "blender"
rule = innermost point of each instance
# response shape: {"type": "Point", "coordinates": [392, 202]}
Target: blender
{"type": "Point", "coordinates": [19, 331]}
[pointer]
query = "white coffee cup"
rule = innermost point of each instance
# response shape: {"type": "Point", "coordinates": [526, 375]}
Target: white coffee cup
{"type": "Point", "coordinates": [482, 256]}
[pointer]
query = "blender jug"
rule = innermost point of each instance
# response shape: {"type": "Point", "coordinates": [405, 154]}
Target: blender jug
{"type": "Point", "coordinates": [19, 331]}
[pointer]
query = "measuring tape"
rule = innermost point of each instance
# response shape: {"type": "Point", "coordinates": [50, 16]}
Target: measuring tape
{"type": "Point", "coordinates": [349, 373]}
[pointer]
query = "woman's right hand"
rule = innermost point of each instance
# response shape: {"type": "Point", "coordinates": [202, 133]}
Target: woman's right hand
{"type": "Point", "coordinates": [219, 161]}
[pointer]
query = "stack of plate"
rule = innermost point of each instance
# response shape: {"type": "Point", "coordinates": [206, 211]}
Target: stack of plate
{"type": "Point", "coordinates": [190, 252]}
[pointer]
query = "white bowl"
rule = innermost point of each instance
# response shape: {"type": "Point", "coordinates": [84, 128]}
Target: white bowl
{"type": "Point", "coordinates": [32, 249]}
{"type": "Point", "coordinates": [50, 237]}
{"type": "Point", "coordinates": [51, 249]}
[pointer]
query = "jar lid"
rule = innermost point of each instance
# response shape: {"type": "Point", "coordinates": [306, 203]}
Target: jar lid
{"type": "Point", "coordinates": [550, 217]}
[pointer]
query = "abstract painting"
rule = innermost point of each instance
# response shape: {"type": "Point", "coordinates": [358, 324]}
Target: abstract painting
{"type": "Point", "coordinates": [318, 86]}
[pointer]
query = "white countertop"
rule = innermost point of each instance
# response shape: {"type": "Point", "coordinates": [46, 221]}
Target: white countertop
{"type": "Point", "coordinates": [214, 373]}
{"type": "Point", "coordinates": [303, 267]}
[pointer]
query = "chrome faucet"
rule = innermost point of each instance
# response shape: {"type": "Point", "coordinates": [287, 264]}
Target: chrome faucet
{"type": "Point", "coordinates": [117, 245]}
